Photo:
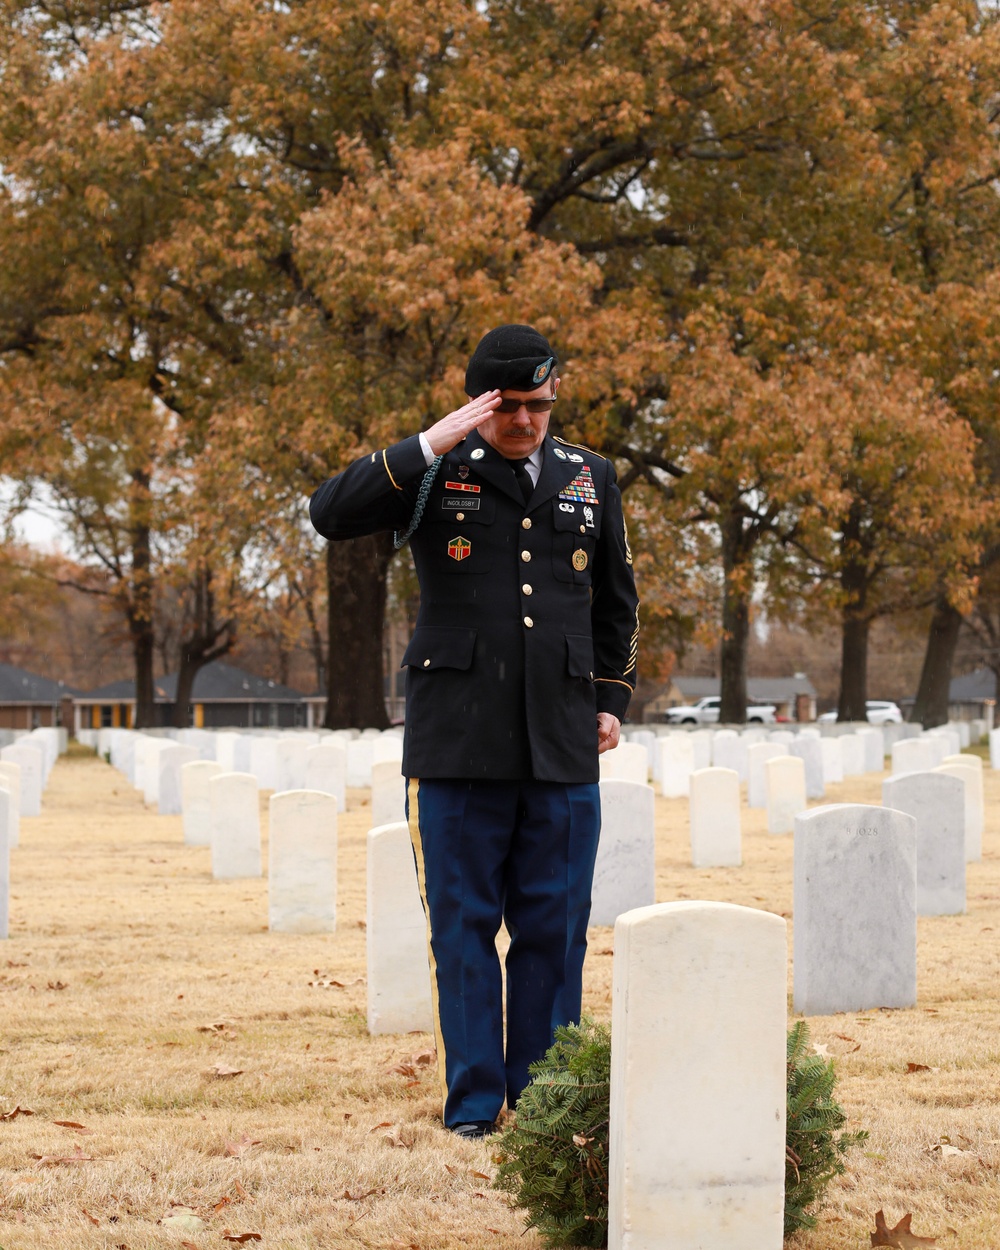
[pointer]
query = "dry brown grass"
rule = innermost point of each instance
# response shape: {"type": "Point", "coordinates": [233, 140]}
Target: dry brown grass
{"type": "Point", "coordinates": [123, 951]}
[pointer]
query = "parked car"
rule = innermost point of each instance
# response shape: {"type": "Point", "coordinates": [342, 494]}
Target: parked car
{"type": "Point", "coordinates": [706, 712]}
{"type": "Point", "coordinates": [878, 711]}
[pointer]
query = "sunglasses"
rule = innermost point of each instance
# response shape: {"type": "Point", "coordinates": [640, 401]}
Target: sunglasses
{"type": "Point", "coordinates": [530, 405]}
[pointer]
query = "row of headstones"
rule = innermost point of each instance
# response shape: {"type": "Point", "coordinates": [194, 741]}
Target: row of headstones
{"type": "Point", "coordinates": [671, 759]}
{"type": "Point", "coordinates": [25, 766]}
{"type": "Point", "coordinates": [291, 760]}
{"type": "Point", "coordinates": [699, 989]}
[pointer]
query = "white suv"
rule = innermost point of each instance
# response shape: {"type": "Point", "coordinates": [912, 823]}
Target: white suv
{"type": "Point", "coordinates": [878, 711]}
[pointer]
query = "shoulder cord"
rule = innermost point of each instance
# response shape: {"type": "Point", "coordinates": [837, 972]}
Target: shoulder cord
{"type": "Point", "coordinates": [400, 540]}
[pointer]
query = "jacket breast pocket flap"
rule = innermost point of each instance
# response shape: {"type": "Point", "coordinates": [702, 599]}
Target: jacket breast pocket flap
{"type": "Point", "coordinates": [580, 656]}
{"type": "Point", "coordinates": [440, 646]}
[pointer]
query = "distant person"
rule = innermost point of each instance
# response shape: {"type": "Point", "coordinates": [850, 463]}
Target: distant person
{"type": "Point", "coordinates": [520, 671]}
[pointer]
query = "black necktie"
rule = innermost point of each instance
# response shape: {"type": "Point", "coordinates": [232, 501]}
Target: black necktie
{"type": "Point", "coordinates": [523, 478]}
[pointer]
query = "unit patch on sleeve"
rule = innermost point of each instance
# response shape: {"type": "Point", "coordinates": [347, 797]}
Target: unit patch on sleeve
{"type": "Point", "coordinates": [581, 489]}
{"type": "Point", "coordinates": [459, 548]}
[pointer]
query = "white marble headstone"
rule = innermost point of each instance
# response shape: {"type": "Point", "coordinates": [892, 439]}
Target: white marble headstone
{"type": "Point", "coordinates": [302, 862]}
{"type": "Point", "coordinates": [399, 980]}
{"type": "Point", "coordinates": [698, 989]}
{"type": "Point", "coordinates": [810, 752]}
{"type": "Point", "coordinates": [30, 761]}
{"type": "Point", "coordinates": [756, 755]}
{"type": "Point", "coordinates": [10, 780]}
{"type": "Point", "coordinates": [716, 837]}
{"type": "Point", "coordinates": [624, 873]}
{"type": "Point", "coordinates": [937, 803]}
{"type": "Point", "coordinates": [326, 770]}
{"type": "Point", "coordinates": [234, 809]}
{"type": "Point", "coordinates": [628, 761]}
{"type": "Point", "coordinates": [785, 790]}
{"type": "Point", "coordinates": [833, 761]}
{"type": "Point", "coordinates": [972, 781]}
{"type": "Point", "coordinates": [170, 761]}
{"type": "Point", "coordinates": [730, 751]}
{"type": "Point", "coordinates": [195, 810]}
{"type": "Point", "coordinates": [388, 793]}
{"type": "Point", "coordinates": [855, 907]}
{"type": "Point", "coordinates": [676, 765]}
{"type": "Point", "coordinates": [912, 755]}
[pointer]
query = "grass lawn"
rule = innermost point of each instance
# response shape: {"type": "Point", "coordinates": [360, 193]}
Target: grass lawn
{"type": "Point", "coordinates": [207, 1090]}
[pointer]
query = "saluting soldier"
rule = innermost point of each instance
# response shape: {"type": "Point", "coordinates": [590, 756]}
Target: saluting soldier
{"type": "Point", "coordinates": [519, 674]}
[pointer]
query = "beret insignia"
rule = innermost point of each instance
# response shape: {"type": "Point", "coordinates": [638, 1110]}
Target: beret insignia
{"type": "Point", "coordinates": [542, 372]}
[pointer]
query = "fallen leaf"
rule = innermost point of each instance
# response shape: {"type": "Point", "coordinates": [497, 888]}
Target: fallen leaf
{"type": "Point", "coordinates": [242, 1193]}
{"type": "Point", "coordinates": [580, 1140]}
{"type": "Point", "coordinates": [219, 1027]}
{"type": "Point", "coordinates": [844, 1038]}
{"type": "Point", "coordinates": [50, 1161]}
{"type": "Point", "coordinates": [425, 1058]}
{"type": "Point", "coordinates": [188, 1245]}
{"type": "Point", "coordinates": [403, 1069]}
{"type": "Point", "coordinates": [80, 1128]}
{"type": "Point", "coordinates": [479, 1175]}
{"type": "Point", "coordinates": [221, 1070]}
{"type": "Point", "coordinates": [384, 1124]}
{"type": "Point", "coordinates": [946, 1150]}
{"type": "Point", "coordinates": [453, 1171]}
{"type": "Point", "coordinates": [899, 1237]}
{"type": "Point", "coordinates": [236, 1149]}
{"type": "Point", "coordinates": [222, 1204]}
{"type": "Point", "coordinates": [396, 1139]}
{"type": "Point", "coordinates": [240, 1238]}
{"type": "Point", "coordinates": [90, 1217]}
{"type": "Point", "coordinates": [358, 1194]}
{"type": "Point", "coordinates": [918, 1067]}
{"type": "Point", "coordinates": [12, 1115]}
{"type": "Point", "coordinates": [58, 985]}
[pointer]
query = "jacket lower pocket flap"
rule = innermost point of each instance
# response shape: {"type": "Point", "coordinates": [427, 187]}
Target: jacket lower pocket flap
{"type": "Point", "coordinates": [440, 646]}
{"type": "Point", "coordinates": [580, 656]}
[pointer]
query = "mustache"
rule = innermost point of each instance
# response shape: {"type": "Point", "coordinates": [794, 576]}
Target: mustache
{"type": "Point", "coordinates": [520, 431]}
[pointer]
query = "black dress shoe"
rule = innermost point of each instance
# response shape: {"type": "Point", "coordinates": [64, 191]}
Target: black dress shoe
{"type": "Point", "coordinates": [473, 1131]}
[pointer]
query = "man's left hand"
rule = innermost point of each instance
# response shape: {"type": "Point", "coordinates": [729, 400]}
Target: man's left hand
{"type": "Point", "coordinates": [608, 730]}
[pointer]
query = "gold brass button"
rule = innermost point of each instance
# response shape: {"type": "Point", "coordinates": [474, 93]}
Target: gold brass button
{"type": "Point", "coordinates": [459, 516]}
{"type": "Point", "coordinates": [526, 523]}
{"type": "Point", "coordinates": [427, 663]}
{"type": "Point", "coordinates": [528, 622]}
{"type": "Point", "coordinates": [583, 528]}
{"type": "Point", "coordinates": [526, 557]}
{"type": "Point", "coordinates": [525, 589]}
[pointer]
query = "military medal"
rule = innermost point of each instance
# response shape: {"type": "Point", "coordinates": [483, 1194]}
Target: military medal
{"type": "Point", "coordinates": [459, 548]}
{"type": "Point", "coordinates": [588, 516]}
{"type": "Point", "coordinates": [477, 454]}
{"type": "Point", "coordinates": [469, 486]}
{"type": "Point", "coordinates": [463, 471]}
{"type": "Point", "coordinates": [579, 559]}
{"type": "Point", "coordinates": [560, 455]}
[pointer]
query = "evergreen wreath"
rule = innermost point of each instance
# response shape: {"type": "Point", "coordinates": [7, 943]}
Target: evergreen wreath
{"type": "Point", "coordinates": [553, 1156]}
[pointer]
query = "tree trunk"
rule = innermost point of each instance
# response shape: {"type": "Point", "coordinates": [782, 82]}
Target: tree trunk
{"type": "Point", "coordinates": [140, 609]}
{"type": "Point", "coordinates": [855, 625]}
{"type": "Point", "coordinates": [207, 640]}
{"type": "Point", "coordinates": [735, 622]}
{"type": "Point", "coordinates": [356, 585]}
{"type": "Point", "coordinates": [931, 706]}
{"type": "Point", "coordinates": [853, 668]}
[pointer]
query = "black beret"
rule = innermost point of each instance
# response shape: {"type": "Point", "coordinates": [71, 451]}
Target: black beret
{"type": "Point", "coordinates": [510, 358]}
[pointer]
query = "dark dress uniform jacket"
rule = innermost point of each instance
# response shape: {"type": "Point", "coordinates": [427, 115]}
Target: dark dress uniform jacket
{"type": "Point", "coordinates": [527, 625]}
